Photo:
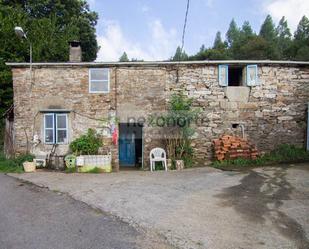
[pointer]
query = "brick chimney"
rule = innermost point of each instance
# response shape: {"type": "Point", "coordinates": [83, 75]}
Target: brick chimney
{"type": "Point", "coordinates": [75, 51]}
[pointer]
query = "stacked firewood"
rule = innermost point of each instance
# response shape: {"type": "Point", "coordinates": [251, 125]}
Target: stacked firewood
{"type": "Point", "coordinates": [232, 147]}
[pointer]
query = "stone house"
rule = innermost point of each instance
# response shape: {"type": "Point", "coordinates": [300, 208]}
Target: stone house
{"type": "Point", "coordinates": [267, 100]}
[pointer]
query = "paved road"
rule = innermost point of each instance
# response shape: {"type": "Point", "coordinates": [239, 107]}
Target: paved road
{"type": "Point", "coordinates": [265, 208]}
{"type": "Point", "coordinates": [35, 218]}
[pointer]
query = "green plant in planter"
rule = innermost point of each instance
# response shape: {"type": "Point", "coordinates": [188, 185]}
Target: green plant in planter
{"type": "Point", "coordinates": [87, 144]}
{"type": "Point", "coordinates": [178, 130]}
{"type": "Point", "coordinates": [14, 165]}
{"type": "Point", "coordinates": [19, 160]}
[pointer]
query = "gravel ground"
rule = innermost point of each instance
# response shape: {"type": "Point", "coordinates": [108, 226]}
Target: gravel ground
{"type": "Point", "coordinates": [36, 218]}
{"type": "Point", "coordinates": [201, 208]}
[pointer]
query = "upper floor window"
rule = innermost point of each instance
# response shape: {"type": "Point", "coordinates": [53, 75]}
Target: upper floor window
{"type": "Point", "coordinates": [230, 75]}
{"type": "Point", "coordinates": [55, 128]}
{"type": "Point", "coordinates": [98, 80]}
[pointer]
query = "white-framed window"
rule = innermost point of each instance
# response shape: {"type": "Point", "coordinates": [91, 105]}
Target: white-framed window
{"type": "Point", "coordinates": [99, 80]}
{"type": "Point", "coordinates": [55, 128]}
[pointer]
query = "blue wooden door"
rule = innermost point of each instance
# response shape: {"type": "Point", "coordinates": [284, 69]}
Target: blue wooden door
{"type": "Point", "coordinates": [127, 148]}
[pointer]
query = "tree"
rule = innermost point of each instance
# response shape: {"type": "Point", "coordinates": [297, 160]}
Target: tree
{"type": "Point", "coordinates": [268, 31]}
{"type": "Point", "coordinates": [301, 41]}
{"type": "Point", "coordinates": [200, 55]}
{"type": "Point", "coordinates": [256, 48]}
{"type": "Point", "coordinates": [269, 34]}
{"type": "Point", "coordinates": [54, 22]}
{"type": "Point", "coordinates": [218, 43]}
{"type": "Point", "coordinates": [233, 33]}
{"type": "Point", "coordinates": [283, 30]}
{"type": "Point", "coordinates": [246, 30]}
{"type": "Point", "coordinates": [179, 55]}
{"type": "Point", "coordinates": [302, 31]}
{"type": "Point", "coordinates": [50, 25]}
{"type": "Point", "coordinates": [244, 36]}
{"type": "Point", "coordinates": [284, 41]}
{"type": "Point", "coordinates": [124, 57]}
{"type": "Point", "coordinates": [271, 43]}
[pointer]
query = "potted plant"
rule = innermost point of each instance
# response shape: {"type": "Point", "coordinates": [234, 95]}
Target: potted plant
{"type": "Point", "coordinates": [27, 161]}
{"type": "Point", "coordinates": [87, 147]}
{"type": "Point", "coordinates": [178, 131]}
{"type": "Point", "coordinates": [29, 166]}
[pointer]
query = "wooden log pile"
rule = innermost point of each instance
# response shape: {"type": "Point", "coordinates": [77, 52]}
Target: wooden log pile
{"type": "Point", "coordinates": [232, 147]}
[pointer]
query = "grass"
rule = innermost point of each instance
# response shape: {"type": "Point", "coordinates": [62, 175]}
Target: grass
{"type": "Point", "coordinates": [285, 153]}
{"type": "Point", "coordinates": [70, 170]}
{"type": "Point", "coordinates": [9, 167]}
{"type": "Point", "coordinates": [95, 170]}
{"type": "Point", "coordinates": [14, 165]}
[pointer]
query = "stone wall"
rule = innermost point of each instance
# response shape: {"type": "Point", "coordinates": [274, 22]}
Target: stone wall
{"type": "Point", "coordinates": [272, 113]}
{"type": "Point", "coordinates": [58, 88]}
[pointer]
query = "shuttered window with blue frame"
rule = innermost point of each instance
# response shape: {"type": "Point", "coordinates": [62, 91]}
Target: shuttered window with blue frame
{"type": "Point", "coordinates": [252, 75]}
{"type": "Point", "coordinates": [223, 75]}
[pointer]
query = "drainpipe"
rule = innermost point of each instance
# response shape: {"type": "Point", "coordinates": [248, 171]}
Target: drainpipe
{"type": "Point", "coordinates": [242, 127]}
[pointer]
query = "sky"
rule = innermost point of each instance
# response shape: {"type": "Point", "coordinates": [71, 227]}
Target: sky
{"type": "Point", "coordinates": [152, 29]}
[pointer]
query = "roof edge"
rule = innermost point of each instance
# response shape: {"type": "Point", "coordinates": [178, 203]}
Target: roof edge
{"type": "Point", "coordinates": [155, 63]}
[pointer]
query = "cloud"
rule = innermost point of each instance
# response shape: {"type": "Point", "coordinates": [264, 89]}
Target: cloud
{"type": "Point", "coordinates": [113, 43]}
{"type": "Point", "coordinates": [209, 3]}
{"type": "Point", "coordinates": [91, 2]}
{"type": "Point", "coordinates": [145, 8]}
{"type": "Point", "coordinates": [293, 10]}
{"type": "Point", "coordinates": [163, 42]}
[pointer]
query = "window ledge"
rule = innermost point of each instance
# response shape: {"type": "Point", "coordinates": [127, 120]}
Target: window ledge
{"type": "Point", "coordinates": [55, 110]}
{"type": "Point", "coordinates": [237, 93]}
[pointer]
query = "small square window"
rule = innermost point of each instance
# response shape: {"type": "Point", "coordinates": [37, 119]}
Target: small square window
{"type": "Point", "coordinates": [99, 80]}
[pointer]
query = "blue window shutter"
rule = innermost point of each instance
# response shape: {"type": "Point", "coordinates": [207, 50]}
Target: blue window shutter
{"type": "Point", "coordinates": [223, 75]}
{"type": "Point", "coordinates": [252, 75]}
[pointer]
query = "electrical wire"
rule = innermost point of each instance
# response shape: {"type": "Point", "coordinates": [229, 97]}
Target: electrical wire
{"type": "Point", "coordinates": [184, 26]}
{"type": "Point", "coordinates": [182, 40]}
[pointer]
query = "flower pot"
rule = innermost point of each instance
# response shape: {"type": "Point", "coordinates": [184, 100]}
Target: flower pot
{"type": "Point", "coordinates": [179, 164]}
{"type": "Point", "coordinates": [29, 166]}
{"type": "Point", "coordinates": [70, 161]}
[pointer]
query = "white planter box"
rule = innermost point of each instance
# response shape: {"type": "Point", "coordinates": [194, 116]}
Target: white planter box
{"type": "Point", "coordinates": [80, 161]}
{"type": "Point", "coordinates": [88, 162]}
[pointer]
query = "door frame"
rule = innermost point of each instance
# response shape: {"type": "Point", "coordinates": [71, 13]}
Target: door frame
{"type": "Point", "coordinates": [141, 147]}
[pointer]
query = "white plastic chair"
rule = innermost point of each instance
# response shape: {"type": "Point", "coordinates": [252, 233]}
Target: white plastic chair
{"type": "Point", "coordinates": [157, 155]}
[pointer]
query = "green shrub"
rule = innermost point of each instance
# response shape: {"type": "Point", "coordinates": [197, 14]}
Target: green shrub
{"type": "Point", "coordinates": [178, 130]}
{"type": "Point", "coordinates": [87, 144]}
{"type": "Point", "coordinates": [2, 157]}
{"type": "Point", "coordinates": [95, 170]}
{"type": "Point", "coordinates": [9, 165]}
{"type": "Point", "coordinates": [70, 170]}
{"type": "Point", "coordinates": [19, 160]}
{"type": "Point", "coordinates": [290, 153]}
{"type": "Point", "coordinates": [14, 165]}
{"type": "Point", "coordinates": [159, 166]}
{"type": "Point", "coordinates": [285, 153]}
